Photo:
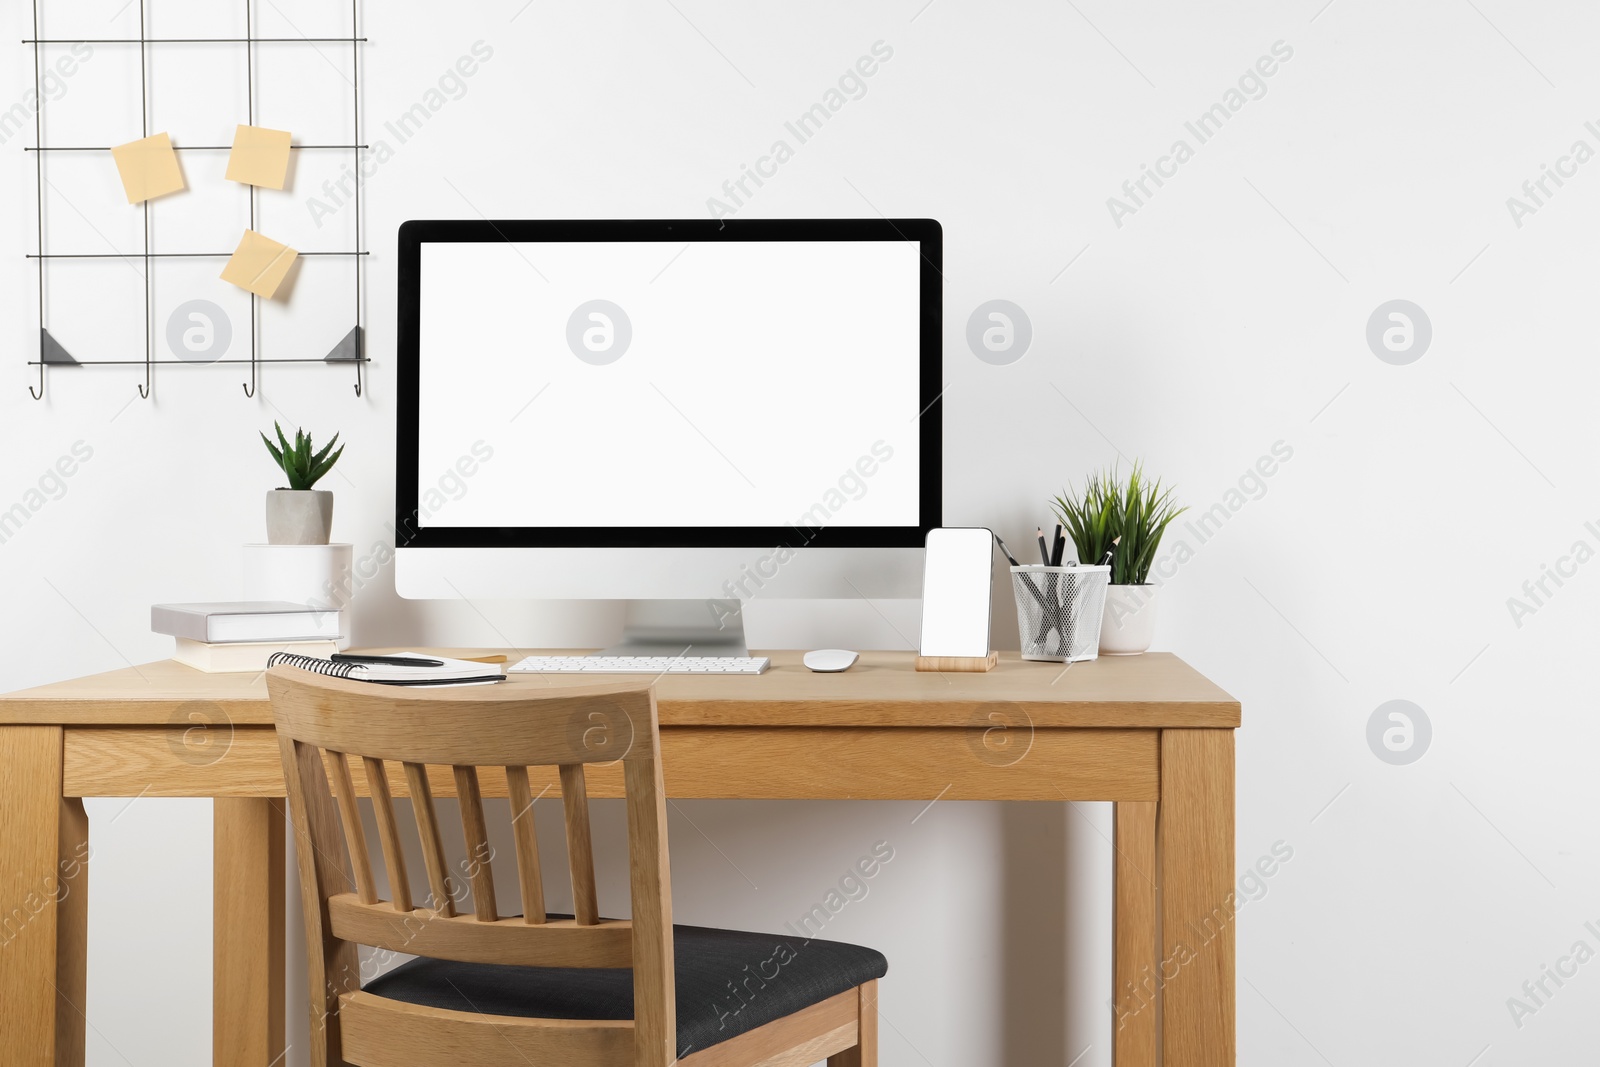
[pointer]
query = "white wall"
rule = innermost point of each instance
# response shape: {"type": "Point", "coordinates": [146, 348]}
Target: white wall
{"type": "Point", "coordinates": [1225, 315]}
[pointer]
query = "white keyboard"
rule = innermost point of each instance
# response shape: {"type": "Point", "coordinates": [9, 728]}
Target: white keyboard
{"type": "Point", "coordinates": [640, 665]}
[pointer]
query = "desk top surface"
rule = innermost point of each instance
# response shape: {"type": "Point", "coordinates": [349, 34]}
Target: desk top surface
{"type": "Point", "coordinates": [1154, 690]}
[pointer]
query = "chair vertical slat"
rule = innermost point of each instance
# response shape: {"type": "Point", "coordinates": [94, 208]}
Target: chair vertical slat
{"type": "Point", "coordinates": [432, 844]}
{"type": "Point", "coordinates": [355, 835]}
{"type": "Point", "coordinates": [394, 858]}
{"type": "Point", "coordinates": [580, 845]}
{"type": "Point", "coordinates": [532, 882]}
{"type": "Point", "coordinates": [476, 832]}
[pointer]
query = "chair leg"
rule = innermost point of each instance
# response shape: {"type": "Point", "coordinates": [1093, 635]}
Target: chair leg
{"type": "Point", "coordinates": [865, 1054]}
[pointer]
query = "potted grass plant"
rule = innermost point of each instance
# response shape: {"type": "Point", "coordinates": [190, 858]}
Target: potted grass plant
{"type": "Point", "coordinates": [1120, 521]}
{"type": "Point", "coordinates": [297, 514]}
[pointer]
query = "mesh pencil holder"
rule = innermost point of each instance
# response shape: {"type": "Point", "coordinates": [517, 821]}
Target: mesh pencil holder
{"type": "Point", "coordinates": [1059, 611]}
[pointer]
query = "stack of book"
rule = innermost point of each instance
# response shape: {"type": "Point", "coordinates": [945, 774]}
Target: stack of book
{"type": "Point", "coordinates": [236, 637]}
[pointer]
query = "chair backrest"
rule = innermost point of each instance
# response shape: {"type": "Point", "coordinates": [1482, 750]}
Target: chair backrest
{"type": "Point", "coordinates": [333, 729]}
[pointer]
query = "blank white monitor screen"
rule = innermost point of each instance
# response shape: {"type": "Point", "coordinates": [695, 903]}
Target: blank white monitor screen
{"type": "Point", "coordinates": [661, 384]}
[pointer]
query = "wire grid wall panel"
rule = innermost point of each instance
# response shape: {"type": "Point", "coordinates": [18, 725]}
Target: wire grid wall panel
{"type": "Point", "coordinates": [52, 353]}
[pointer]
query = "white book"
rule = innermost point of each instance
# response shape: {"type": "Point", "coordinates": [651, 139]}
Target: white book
{"type": "Point", "coordinates": [236, 657]}
{"type": "Point", "coordinates": [249, 620]}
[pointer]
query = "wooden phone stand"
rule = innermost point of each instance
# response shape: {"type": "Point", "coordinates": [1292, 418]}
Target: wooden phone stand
{"type": "Point", "coordinates": [953, 664]}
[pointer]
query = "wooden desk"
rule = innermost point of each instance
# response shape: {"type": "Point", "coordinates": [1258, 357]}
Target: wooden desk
{"type": "Point", "coordinates": [1146, 732]}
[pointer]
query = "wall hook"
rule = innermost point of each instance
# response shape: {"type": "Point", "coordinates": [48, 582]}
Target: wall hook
{"type": "Point", "coordinates": [40, 394]}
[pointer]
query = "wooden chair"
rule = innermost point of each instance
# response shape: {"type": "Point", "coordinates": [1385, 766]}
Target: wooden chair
{"type": "Point", "coordinates": [535, 988]}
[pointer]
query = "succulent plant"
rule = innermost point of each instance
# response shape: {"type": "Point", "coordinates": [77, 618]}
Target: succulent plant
{"type": "Point", "coordinates": [302, 466]}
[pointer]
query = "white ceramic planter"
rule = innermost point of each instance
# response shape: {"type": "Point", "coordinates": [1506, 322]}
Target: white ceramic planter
{"type": "Point", "coordinates": [299, 516]}
{"type": "Point", "coordinates": [1129, 624]}
{"type": "Point", "coordinates": [318, 576]}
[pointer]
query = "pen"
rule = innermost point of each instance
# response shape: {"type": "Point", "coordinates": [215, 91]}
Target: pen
{"type": "Point", "coordinates": [1111, 550]}
{"type": "Point", "coordinates": [1006, 552]}
{"type": "Point", "coordinates": [1051, 618]}
{"type": "Point", "coordinates": [1060, 547]}
{"type": "Point", "coordinates": [391, 661]}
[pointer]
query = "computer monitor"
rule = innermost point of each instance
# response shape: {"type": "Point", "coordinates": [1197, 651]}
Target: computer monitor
{"type": "Point", "coordinates": [696, 411]}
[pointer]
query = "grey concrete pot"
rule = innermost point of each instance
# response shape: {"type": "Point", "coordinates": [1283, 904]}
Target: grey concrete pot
{"type": "Point", "coordinates": [299, 516]}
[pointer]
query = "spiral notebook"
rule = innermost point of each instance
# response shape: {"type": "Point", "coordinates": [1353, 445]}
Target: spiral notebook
{"type": "Point", "coordinates": [428, 670]}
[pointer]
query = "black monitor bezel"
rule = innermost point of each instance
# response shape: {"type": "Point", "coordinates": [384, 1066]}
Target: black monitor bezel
{"type": "Point", "coordinates": [410, 532]}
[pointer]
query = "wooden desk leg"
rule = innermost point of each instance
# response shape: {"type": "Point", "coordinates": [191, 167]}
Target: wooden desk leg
{"type": "Point", "coordinates": [43, 904]}
{"type": "Point", "coordinates": [1135, 972]}
{"type": "Point", "coordinates": [1198, 906]}
{"type": "Point", "coordinates": [247, 950]}
{"type": "Point", "coordinates": [72, 933]}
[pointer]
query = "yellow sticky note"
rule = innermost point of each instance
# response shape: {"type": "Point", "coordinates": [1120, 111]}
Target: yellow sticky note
{"type": "Point", "coordinates": [259, 264]}
{"type": "Point", "coordinates": [148, 168]}
{"type": "Point", "coordinates": [259, 157]}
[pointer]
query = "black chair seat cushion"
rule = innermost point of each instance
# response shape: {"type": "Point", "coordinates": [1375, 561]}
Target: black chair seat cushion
{"type": "Point", "coordinates": [728, 982]}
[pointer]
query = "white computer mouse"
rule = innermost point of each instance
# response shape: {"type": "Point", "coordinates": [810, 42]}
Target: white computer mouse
{"type": "Point", "coordinates": [830, 660]}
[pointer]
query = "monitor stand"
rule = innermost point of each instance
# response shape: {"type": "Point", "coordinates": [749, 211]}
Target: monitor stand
{"type": "Point", "coordinates": [681, 628]}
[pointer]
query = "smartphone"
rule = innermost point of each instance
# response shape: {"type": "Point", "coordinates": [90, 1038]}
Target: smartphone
{"type": "Point", "coordinates": [956, 584]}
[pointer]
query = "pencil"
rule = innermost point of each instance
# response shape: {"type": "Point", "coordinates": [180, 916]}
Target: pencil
{"type": "Point", "coordinates": [1034, 589]}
